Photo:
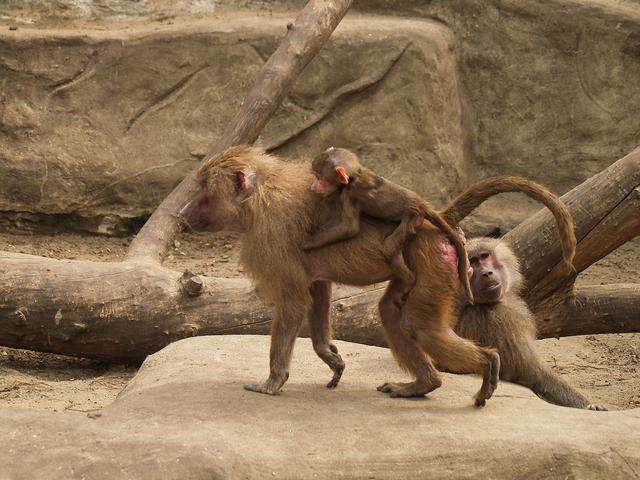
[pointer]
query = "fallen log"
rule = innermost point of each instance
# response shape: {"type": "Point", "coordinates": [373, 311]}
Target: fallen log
{"type": "Point", "coordinates": [593, 309]}
{"type": "Point", "coordinates": [124, 311]}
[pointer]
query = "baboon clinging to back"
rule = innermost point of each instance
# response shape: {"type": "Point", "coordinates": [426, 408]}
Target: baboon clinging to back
{"type": "Point", "coordinates": [359, 189]}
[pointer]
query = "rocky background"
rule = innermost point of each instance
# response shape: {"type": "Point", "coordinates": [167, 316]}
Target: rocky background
{"type": "Point", "coordinates": [106, 104]}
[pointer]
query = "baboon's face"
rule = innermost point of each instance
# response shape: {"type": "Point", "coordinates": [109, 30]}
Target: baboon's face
{"type": "Point", "coordinates": [217, 205]}
{"type": "Point", "coordinates": [489, 281]}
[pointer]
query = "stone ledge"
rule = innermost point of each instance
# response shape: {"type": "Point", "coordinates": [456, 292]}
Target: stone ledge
{"type": "Point", "coordinates": [185, 415]}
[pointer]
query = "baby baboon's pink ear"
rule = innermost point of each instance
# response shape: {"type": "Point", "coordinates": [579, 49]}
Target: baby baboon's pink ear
{"type": "Point", "coordinates": [342, 175]}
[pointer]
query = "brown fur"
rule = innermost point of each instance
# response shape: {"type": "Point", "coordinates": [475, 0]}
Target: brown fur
{"type": "Point", "coordinates": [270, 201]}
{"type": "Point", "coordinates": [502, 320]}
{"type": "Point", "coordinates": [339, 172]}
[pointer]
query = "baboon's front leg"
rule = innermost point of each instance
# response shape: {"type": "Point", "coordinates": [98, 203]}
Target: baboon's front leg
{"type": "Point", "coordinates": [284, 331]}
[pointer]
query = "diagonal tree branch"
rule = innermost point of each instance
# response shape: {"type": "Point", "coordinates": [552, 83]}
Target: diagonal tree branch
{"type": "Point", "coordinates": [607, 199]}
{"type": "Point", "coordinates": [618, 227]}
{"type": "Point", "coordinates": [305, 37]}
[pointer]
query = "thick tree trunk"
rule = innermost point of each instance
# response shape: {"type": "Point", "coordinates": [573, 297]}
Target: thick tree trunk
{"type": "Point", "coordinates": [304, 38]}
{"type": "Point", "coordinates": [126, 310]}
{"type": "Point", "coordinates": [591, 310]}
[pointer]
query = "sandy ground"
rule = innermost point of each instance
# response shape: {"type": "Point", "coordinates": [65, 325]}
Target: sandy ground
{"type": "Point", "coordinates": [605, 367]}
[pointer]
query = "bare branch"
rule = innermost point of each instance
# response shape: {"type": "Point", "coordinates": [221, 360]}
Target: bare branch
{"type": "Point", "coordinates": [304, 38]}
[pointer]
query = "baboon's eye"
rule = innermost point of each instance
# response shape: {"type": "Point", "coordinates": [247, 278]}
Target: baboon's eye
{"type": "Point", "coordinates": [473, 260]}
{"type": "Point", "coordinates": [484, 255]}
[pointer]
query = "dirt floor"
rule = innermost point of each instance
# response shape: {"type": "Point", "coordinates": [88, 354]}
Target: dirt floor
{"type": "Point", "coordinates": [605, 367]}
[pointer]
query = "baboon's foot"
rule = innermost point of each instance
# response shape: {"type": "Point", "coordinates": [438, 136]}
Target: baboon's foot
{"type": "Point", "coordinates": [338, 367]}
{"type": "Point", "coordinates": [329, 355]}
{"type": "Point", "coordinates": [272, 385]}
{"type": "Point", "coordinates": [417, 388]}
{"type": "Point", "coordinates": [489, 380]}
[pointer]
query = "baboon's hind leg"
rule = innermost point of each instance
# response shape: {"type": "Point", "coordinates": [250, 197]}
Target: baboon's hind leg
{"type": "Point", "coordinates": [406, 351]}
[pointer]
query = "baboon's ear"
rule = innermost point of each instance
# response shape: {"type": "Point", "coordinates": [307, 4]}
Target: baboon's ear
{"type": "Point", "coordinates": [342, 175]}
{"type": "Point", "coordinates": [244, 182]}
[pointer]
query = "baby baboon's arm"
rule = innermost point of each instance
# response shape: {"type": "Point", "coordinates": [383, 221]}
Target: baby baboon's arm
{"type": "Point", "coordinates": [347, 227]}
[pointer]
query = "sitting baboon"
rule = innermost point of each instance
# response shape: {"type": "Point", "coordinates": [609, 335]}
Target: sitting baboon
{"type": "Point", "coordinates": [339, 171]}
{"type": "Point", "coordinates": [501, 319]}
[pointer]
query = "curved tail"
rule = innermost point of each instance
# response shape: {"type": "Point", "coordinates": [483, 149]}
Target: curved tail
{"type": "Point", "coordinates": [480, 191]}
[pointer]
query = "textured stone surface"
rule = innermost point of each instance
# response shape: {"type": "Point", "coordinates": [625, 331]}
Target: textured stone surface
{"type": "Point", "coordinates": [185, 415]}
{"type": "Point", "coordinates": [553, 87]}
{"type": "Point", "coordinates": [549, 91]}
{"type": "Point", "coordinates": [105, 122]}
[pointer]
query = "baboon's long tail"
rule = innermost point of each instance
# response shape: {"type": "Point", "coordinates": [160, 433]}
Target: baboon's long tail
{"type": "Point", "coordinates": [480, 191]}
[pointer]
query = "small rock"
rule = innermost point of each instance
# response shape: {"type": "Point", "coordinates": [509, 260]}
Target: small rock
{"type": "Point", "coordinates": [601, 383]}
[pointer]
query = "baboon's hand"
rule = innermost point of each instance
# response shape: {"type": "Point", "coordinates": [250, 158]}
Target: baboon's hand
{"type": "Point", "coordinates": [597, 407]}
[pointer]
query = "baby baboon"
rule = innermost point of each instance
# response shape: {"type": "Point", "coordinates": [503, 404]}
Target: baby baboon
{"type": "Point", "coordinates": [338, 170]}
{"type": "Point", "coordinates": [246, 190]}
{"type": "Point", "coordinates": [501, 319]}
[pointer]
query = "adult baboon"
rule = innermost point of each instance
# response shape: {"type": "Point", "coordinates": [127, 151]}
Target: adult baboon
{"type": "Point", "coordinates": [244, 189]}
{"type": "Point", "coordinates": [501, 319]}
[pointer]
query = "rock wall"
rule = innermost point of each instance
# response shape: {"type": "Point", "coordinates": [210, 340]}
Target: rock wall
{"type": "Point", "coordinates": [100, 118]}
{"type": "Point", "coordinates": [106, 123]}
